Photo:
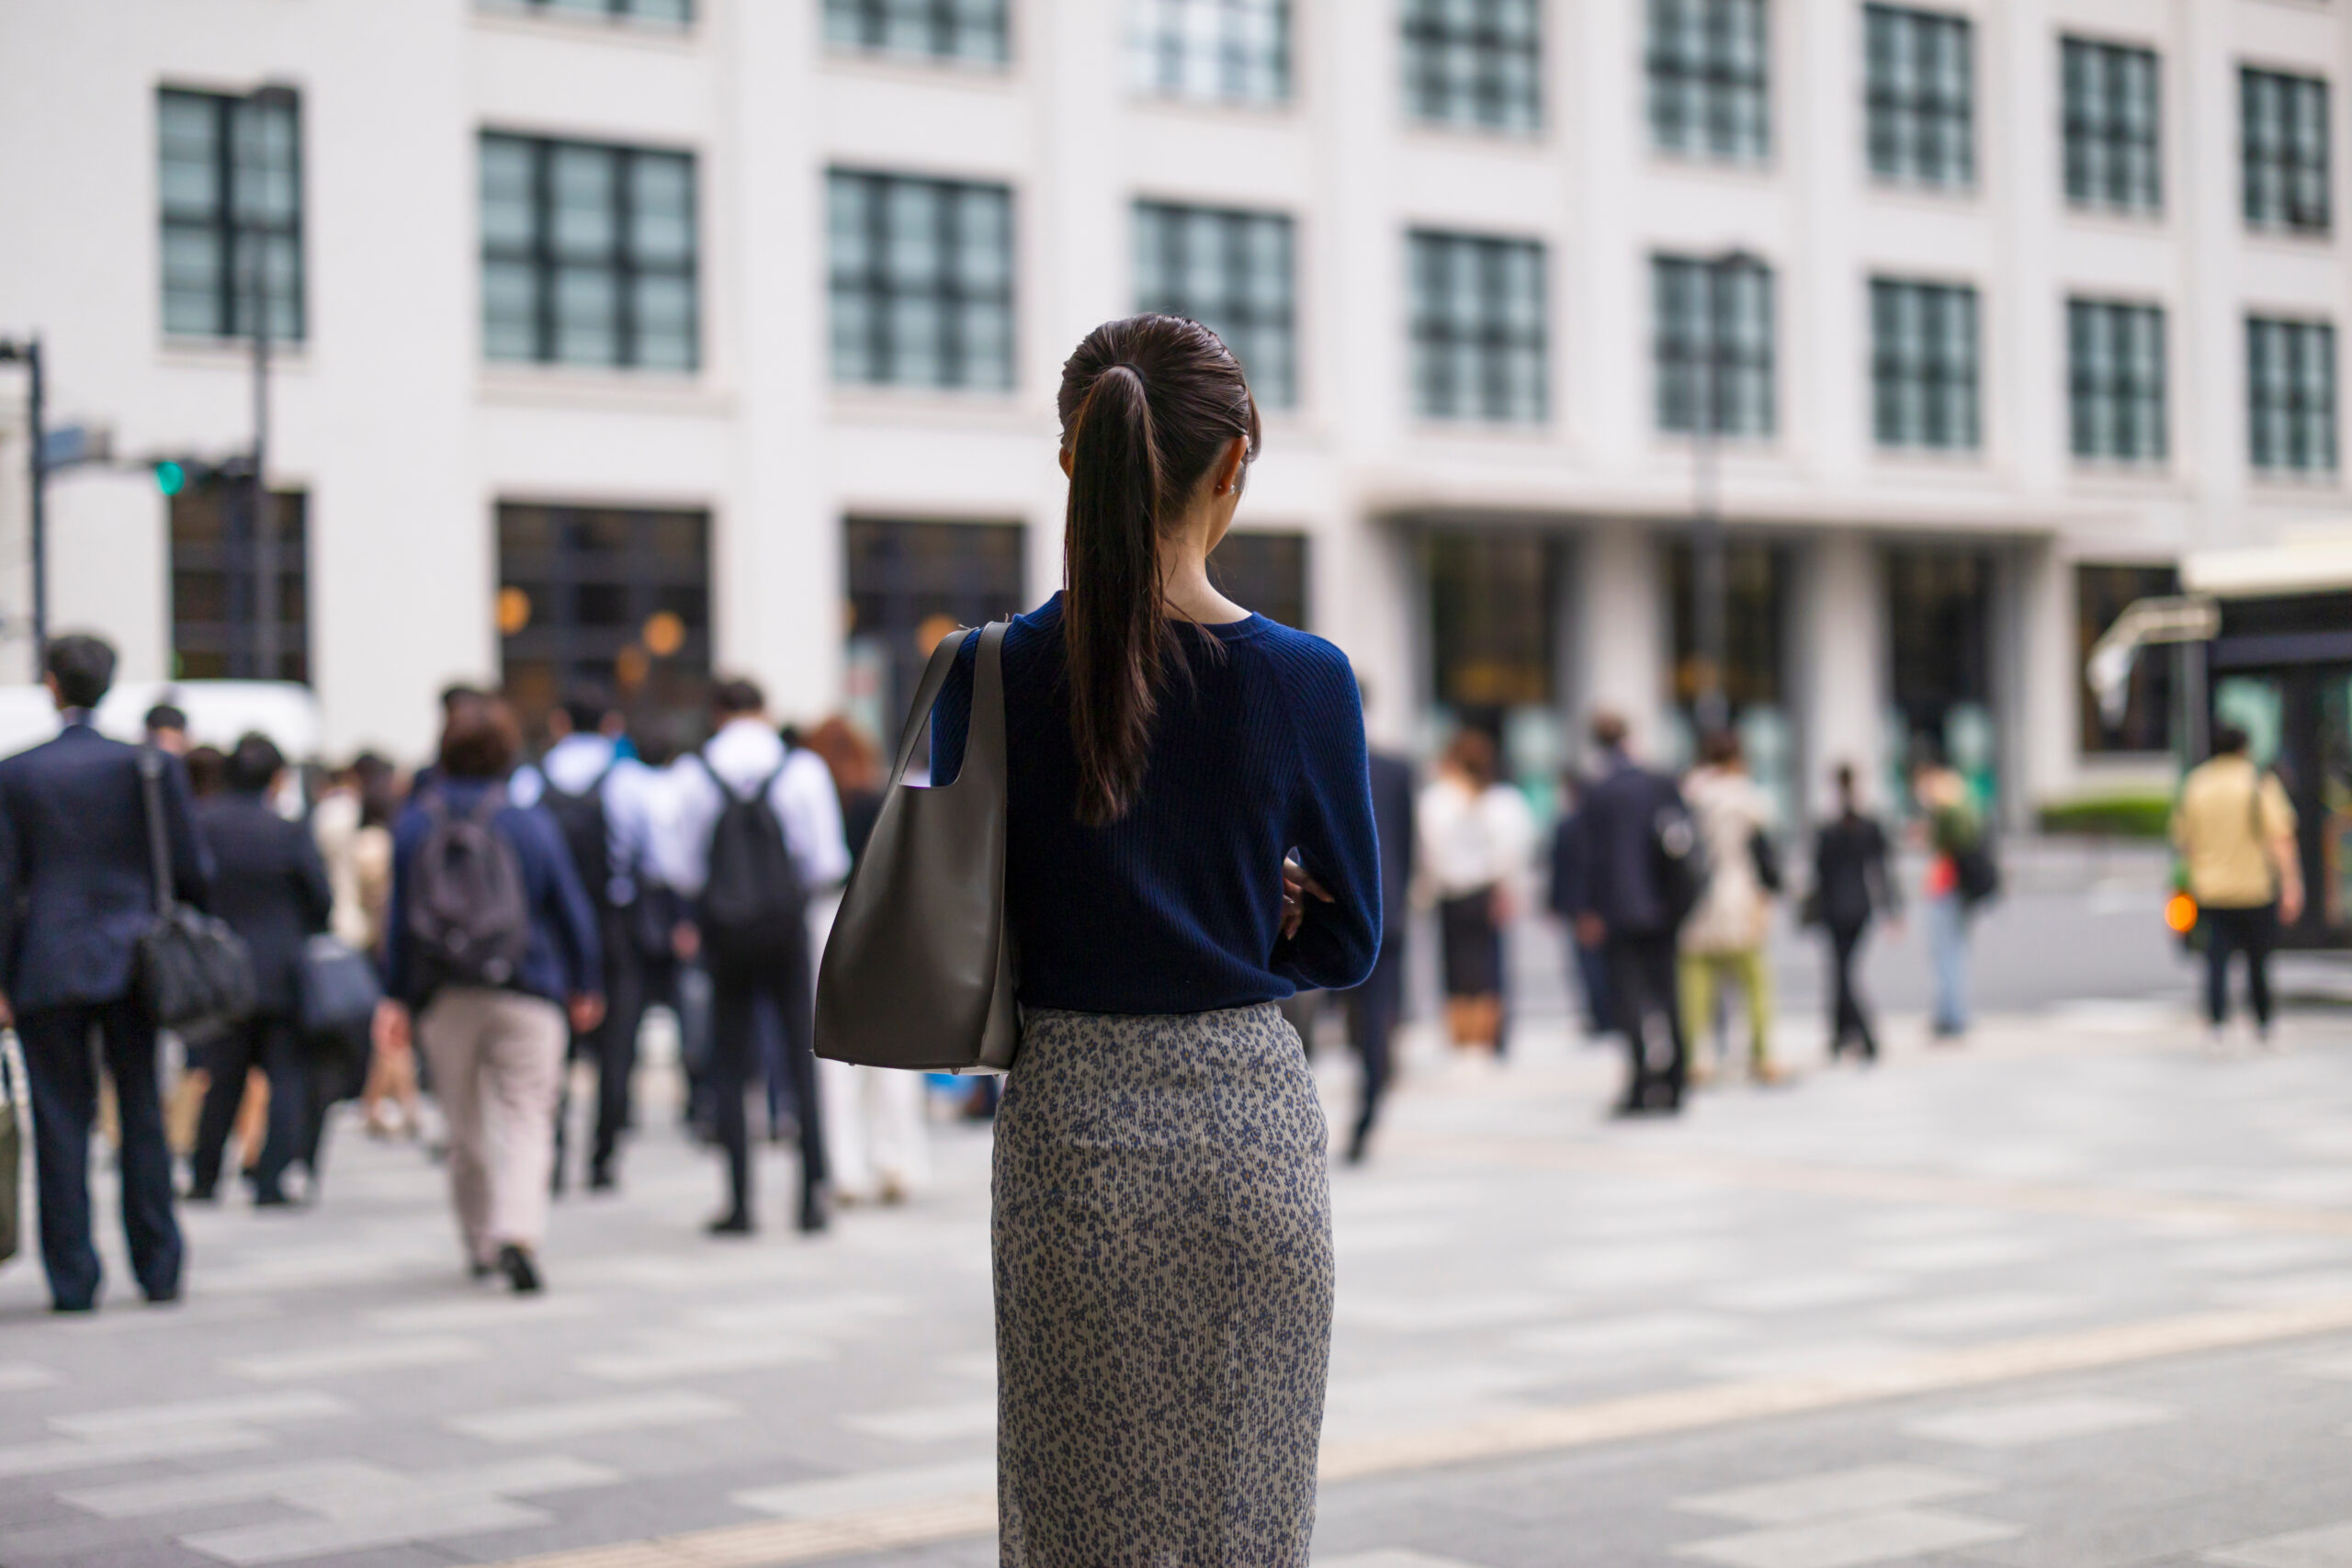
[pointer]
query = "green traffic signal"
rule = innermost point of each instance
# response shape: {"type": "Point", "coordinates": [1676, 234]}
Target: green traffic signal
{"type": "Point", "coordinates": [171, 478]}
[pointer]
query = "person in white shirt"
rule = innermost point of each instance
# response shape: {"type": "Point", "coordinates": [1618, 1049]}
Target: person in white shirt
{"type": "Point", "coordinates": [748, 762]}
{"type": "Point", "coordinates": [1722, 941]}
{"type": "Point", "coordinates": [603, 799]}
{"type": "Point", "coordinates": [1478, 839]}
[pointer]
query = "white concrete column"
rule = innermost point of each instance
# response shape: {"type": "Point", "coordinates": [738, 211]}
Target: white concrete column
{"type": "Point", "coordinates": [2036, 685]}
{"type": "Point", "coordinates": [1620, 630]}
{"type": "Point", "coordinates": [109, 569]}
{"type": "Point", "coordinates": [1840, 663]}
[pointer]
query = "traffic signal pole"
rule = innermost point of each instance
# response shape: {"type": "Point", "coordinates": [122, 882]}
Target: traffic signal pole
{"type": "Point", "coordinates": [27, 354]}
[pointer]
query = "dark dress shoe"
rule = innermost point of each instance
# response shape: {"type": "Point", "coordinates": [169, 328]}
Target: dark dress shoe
{"type": "Point", "coordinates": [816, 1214]}
{"type": "Point", "coordinates": [520, 1271]}
{"type": "Point", "coordinates": [164, 1298]}
{"type": "Point", "coordinates": [737, 1224]}
{"type": "Point", "coordinates": [601, 1179]}
{"type": "Point", "coordinates": [478, 1270]}
{"type": "Point", "coordinates": [272, 1200]}
{"type": "Point", "coordinates": [73, 1307]}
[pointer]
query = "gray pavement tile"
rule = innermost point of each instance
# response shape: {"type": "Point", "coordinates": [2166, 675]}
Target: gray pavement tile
{"type": "Point", "coordinates": [1659, 1332]}
{"type": "Point", "coordinates": [61, 1455]}
{"type": "Point", "coordinates": [17, 1377]}
{"type": "Point", "coordinates": [2029, 1421]}
{"type": "Point", "coordinates": [1807, 1293]}
{"type": "Point", "coordinates": [2330, 1546]}
{"type": "Point", "coordinates": [1393, 1557]}
{"type": "Point", "coordinates": [365, 1356]}
{"type": "Point", "coordinates": [579, 1417]}
{"type": "Point", "coordinates": [1849, 1541]}
{"type": "Point", "coordinates": [1986, 1312]}
{"type": "Point", "coordinates": [1862, 1490]}
{"type": "Point", "coordinates": [1828, 1356]}
{"type": "Point", "coordinates": [296, 1405]}
{"type": "Point", "coordinates": [929, 1423]}
{"type": "Point", "coordinates": [872, 1489]}
{"type": "Point", "coordinates": [287, 1540]}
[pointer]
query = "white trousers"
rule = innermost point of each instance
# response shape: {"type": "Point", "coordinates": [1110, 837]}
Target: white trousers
{"type": "Point", "coordinates": [873, 1129]}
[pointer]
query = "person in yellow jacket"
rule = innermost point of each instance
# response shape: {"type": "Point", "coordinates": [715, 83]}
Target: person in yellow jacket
{"type": "Point", "coordinates": [2235, 831]}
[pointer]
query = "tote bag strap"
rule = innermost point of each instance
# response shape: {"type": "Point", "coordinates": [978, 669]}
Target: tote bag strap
{"type": "Point", "coordinates": [159, 849]}
{"type": "Point", "coordinates": [984, 736]}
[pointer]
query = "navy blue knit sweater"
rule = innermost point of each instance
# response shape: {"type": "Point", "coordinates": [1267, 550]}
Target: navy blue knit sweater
{"type": "Point", "coordinates": [1177, 906]}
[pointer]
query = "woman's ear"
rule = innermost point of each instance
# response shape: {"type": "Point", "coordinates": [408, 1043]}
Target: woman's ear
{"type": "Point", "coordinates": [1066, 464]}
{"type": "Point", "coordinates": [1228, 471]}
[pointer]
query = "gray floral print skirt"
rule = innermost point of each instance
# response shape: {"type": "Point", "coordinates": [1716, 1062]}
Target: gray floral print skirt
{"type": "Point", "coordinates": [1163, 1292]}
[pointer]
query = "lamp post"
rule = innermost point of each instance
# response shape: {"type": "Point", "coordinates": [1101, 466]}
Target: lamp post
{"type": "Point", "coordinates": [1710, 707]}
{"type": "Point", "coordinates": [27, 353]}
{"type": "Point", "coordinates": [261, 565]}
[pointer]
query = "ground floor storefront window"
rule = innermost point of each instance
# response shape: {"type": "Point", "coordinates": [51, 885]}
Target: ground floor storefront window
{"type": "Point", "coordinates": [911, 584]}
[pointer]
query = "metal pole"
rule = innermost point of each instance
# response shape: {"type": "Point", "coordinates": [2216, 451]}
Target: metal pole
{"type": "Point", "coordinates": [262, 653]}
{"type": "Point", "coordinates": [38, 467]}
{"type": "Point", "coordinates": [1708, 705]}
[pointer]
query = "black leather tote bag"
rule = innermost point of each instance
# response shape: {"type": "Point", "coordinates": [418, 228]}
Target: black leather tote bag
{"type": "Point", "coordinates": [918, 970]}
{"type": "Point", "coordinates": [339, 989]}
{"type": "Point", "coordinates": [188, 969]}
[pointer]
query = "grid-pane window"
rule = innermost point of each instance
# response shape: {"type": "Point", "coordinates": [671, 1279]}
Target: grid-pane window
{"type": "Point", "coordinates": [230, 173]}
{"type": "Point", "coordinates": [2102, 592]}
{"type": "Point", "coordinates": [1480, 344]}
{"type": "Point", "coordinates": [2115, 358]}
{"type": "Point", "coordinates": [1713, 344]}
{"type": "Point", "coordinates": [2113, 154]}
{"type": "Point", "coordinates": [1924, 370]}
{"type": "Point", "coordinates": [1708, 78]}
{"type": "Point", "coordinates": [1265, 572]}
{"type": "Point", "coordinates": [2283, 137]}
{"type": "Point", "coordinates": [1474, 63]}
{"type": "Point", "coordinates": [1919, 83]}
{"type": "Point", "coordinates": [611, 598]}
{"type": "Point", "coordinates": [2291, 394]}
{"type": "Point", "coordinates": [921, 281]}
{"type": "Point", "coordinates": [588, 254]}
{"type": "Point", "coordinates": [1231, 272]}
{"type": "Point", "coordinates": [911, 582]}
{"type": "Point", "coordinates": [971, 30]}
{"type": "Point", "coordinates": [240, 594]}
{"type": "Point", "coordinates": [1220, 51]}
{"type": "Point", "coordinates": [663, 13]}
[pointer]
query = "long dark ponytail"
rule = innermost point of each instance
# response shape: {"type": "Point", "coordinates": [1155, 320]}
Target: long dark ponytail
{"type": "Point", "coordinates": [1147, 404]}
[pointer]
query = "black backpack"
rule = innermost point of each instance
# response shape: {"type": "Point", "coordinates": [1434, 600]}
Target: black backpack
{"type": "Point", "coordinates": [468, 913]}
{"type": "Point", "coordinates": [1976, 875]}
{"type": "Point", "coordinates": [1679, 858]}
{"type": "Point", "coordinates": [754, 907]}
{"type": "Point", "coordinates": [586, 834]}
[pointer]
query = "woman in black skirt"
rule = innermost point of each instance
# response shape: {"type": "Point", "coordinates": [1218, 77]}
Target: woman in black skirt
{"type": "Point", "coordinates": [1190, 840]}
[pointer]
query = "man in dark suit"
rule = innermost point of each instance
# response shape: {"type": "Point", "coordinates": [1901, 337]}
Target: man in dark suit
{"type": "Point", "coordinates": [1374, 1006]}
{"type": "Point", "coordinates": [1621, 907]}
{"type": "Point", "coordinates": [76, 891]}
{"type": "Point", "coordinates": [270, 886]}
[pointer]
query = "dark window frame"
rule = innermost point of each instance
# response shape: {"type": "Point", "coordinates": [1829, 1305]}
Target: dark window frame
{"type": "Point", "coordinates": [612, 11]}
{"type": "Point", "coordinates": [214, 550]}
{"type": "Point", "coordinates": [540, 255]}
{"type": "Point", "coordinates": [1901, 121]}
{"type": "Point", "coordinates": [1512, 105]}
{"type": "Point", "coordinates": [1716, 78]}
{"type": "Point", "coordinates": [1950, 394]}
{"type": "Point", "coordinates": [640, 578]}
{"type": "Point", "coordinates": [1746, 371]}
{"type": "Point", "coordinates": [1275, 387]}
{"type": "Point", "coordinates": [2287, 184]}
{"type": "Point", "coordinates": [2136, 424]}
{"type": "Point", "coordinates": [864, 27]}
{"type": "Point", "coordinates": [223, 225]}
{"type": "Point", "coordinates": [2112, 147]}
{"type": "Point", "coordinates": [1153, 48]}
{"type": "Point", "coordinates": [875, 283]}
{"type": "Point", "coordinates": [1491, 338]}
{"type": "Point", "coordinates": [2308, 423]}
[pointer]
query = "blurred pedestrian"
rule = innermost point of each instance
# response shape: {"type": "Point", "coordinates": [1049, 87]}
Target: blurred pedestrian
{"type": "Point", "coordinates": [1722, 941]}
{"type": "Point", "coordinates": [270, 885]}
{"type": "Point", "coordinates": [1476, 836]}
{"type": "Point", "coordinates": [353, 825]}
{"type": "Point", "coordinates": [876, 1148]}
{"type": "Point", "coordinates": [208, 771]}
{"type": "Point", "coordinates": [492, 951]}
{"type": "Point", "coordinates": [1953, 829]}
{"type": "Point", "coordinates": [166, 727]}
{"type": "Point", "coordinates": [601, 801]}
{"type": "Point", "coordinates": [1374, 1009]}
{"type": "Point", "coordinates": [1592, 972]}
{"type": "Point", "coordinates": [2235, 830]}
{"type": "Point", "coordinates": [1632, 823]}
{"type": "Point", "coordinates": [1162, 1209]}
{"type": "Point", "coordinates": [754, 828]}
{"type": "Point", "coordinates": [77, 891]}
{"type": "Point", "coordinates": [1851, 885]}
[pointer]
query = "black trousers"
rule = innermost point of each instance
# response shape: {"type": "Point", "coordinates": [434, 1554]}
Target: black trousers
{"type": "Point", "coordinates": [2253, 932]}
{"type": "Point", "coordinates": [737, 989]}
{"type": "Point", "coordinates": [1372, 1011]}
{"type": "Point", "coordinates": [63, 1070]}
{"type": "Point", "coordinates": [611, 1045]}
{"type": "Point", "coordinates": [275, 1045]}
{"type": "Point", "coordinates": [1649, 1014]}
{"type": "Point", "coordinates": [1848, 1024]}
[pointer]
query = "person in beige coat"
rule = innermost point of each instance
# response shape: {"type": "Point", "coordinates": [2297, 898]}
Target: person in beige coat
{"type": "Point", "coordinates": [1724, 940]}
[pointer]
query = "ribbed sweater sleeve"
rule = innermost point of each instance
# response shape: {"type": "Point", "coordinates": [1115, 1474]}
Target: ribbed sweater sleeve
{"type": "Point", "coordinates": [1332, 822]}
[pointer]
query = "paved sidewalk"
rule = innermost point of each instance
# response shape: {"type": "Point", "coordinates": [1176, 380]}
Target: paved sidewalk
{"type": "Point", "coordinates": [2079, 1295]}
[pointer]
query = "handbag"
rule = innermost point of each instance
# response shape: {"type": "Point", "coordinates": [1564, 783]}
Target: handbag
{"type": "Point", "coordinates": [918, 970]}
{"type": "Point", "coordinates": [12, 1138]}
{"type": "Point", "coordinates": [338, 989]}
{"type": "Point", "coordinates": [189, 968]}
{"type": "Point", "coordinates": [1765, 855]}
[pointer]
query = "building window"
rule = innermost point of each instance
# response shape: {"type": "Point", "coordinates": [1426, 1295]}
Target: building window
{"type": "Point", "coordinates": [1474, 63]}
{"type": "Point", "coordinates": [1230, 272]}
{"type": "Point", "coordinates": [588, 254]}
{"type": "Point", "coordinates": [611, 599]}
{"type": "Point", "coordinates": [1712, 346]}
{"type": "Point", "coordinates": [2114, 158]}
{"type": "Point", "coordinates": [240, 596]}
{"type": "Point", "coordinates": [230, 173]}
{"type": "Point", "coordinates": [2291, 394]}
{"type": "Point", "coordinates": [1939, 626]}
{"type": "Point", "coordinates": [2101, 594]}
{"type": "Point", "coordinates": [1924, 368]}
{"type": "Point", "coordinates": [1494, 621]}
{"type": "Point", "coordinates": [1756, 582]}
{"type": "Point", "coordinates": [2115, 358]}
{"type": "Point", "coordinates": [660, 13]}
{"type": "Point", "coordinates": [922, 282]}
{"type": "Point", "coordinates": [1479, 345]}
{"type": "Point", "coordinates": [968, 30]}
{"type": "Point", "coordinates": [1265, 572]}
{"type": "Point", "coordinates": [1218, 50]}
{"type": "Point", "coordinates": [1920, 91]}
{"type": "Point", "coordinates": [911, 583]}
{"type": "Point", "coordinates": [2283, 126]}
{"type": "Point", "coordinates": [1707, 68]}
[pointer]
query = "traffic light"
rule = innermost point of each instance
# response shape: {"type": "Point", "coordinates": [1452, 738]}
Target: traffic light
{"type": "Point", "coordinates": [171, 477]}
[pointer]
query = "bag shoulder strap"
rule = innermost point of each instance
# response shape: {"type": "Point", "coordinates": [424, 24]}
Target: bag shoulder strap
{"type": "Point", "coordinates": [159, 849]}
{"type": "Point", "coordinates": [987, 722]}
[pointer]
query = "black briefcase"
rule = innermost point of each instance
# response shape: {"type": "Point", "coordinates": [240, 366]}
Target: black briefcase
{"type": "Point", "coordinates": [189, 968]}
{"type": "Point", "coordinates": [339, 989]}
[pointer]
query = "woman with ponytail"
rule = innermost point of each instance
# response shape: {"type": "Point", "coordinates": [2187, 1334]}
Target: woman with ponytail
{"type": "Point", "coordinates": [1190, 840]}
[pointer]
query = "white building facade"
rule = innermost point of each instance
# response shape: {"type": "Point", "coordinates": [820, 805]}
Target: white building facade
{"type": "Point", "coordinates": [625, 340]}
